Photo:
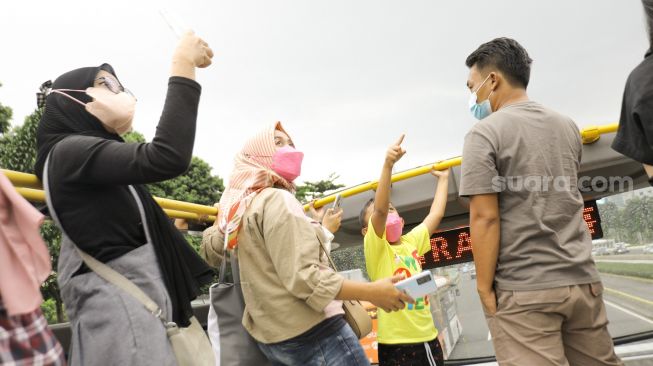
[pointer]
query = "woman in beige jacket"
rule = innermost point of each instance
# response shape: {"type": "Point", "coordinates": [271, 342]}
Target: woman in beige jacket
{"type": "Point", "coordinates": [289, 297]}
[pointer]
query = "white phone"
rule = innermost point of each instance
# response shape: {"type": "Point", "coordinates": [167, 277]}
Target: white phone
{"type": "Point", "coordinates": [337, 202]}
{"type": "Point", "coordinates": [174, 23]}
{"type": "Point", "coordinates": [419, 285]}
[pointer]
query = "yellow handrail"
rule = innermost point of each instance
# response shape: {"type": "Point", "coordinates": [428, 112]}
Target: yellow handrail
{"type": "Point", "coordinates": [29, 186]}
{"type": "Point", "coordinates": [442, 165]}
{"type": "Point", "coordinates": [589, 135]}
{"type": "Point", "coordinates": [592, 134]}
{"type": "Point", "coordinates": [186, 206]}
{"type": "Point", "coordinates": [20, 179]}
{"type": "Point", "coordinates": [188, 215]}
{"type": "Point", "coordinates": [31, 194]}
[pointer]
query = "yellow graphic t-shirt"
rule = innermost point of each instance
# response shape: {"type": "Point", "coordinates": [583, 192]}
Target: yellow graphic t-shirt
{"type": "Point", "coordinates": [413, 324]}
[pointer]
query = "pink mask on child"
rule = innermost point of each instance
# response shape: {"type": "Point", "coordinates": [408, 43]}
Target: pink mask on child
{"type": "Point", "coordinates": [393, 227]}
{"type": "Point", "coordinates": [287, 162]}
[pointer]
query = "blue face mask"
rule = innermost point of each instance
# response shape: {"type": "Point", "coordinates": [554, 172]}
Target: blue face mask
{"type": "Point", "coordinates": [483, 109]}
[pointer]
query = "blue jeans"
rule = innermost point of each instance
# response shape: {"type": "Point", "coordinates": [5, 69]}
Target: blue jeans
{"type": "Point", "coordinates": [331, 344]}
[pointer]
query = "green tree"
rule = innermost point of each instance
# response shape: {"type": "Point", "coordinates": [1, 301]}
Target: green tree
{"type": "Point", "coordinates": [310, 191]}
{"type": "Point", "coordinates": [50, 288]}
{"type": "Point", "coordinates": [5, 118]}
{"type": "Point", "coordinates": [197, 185]}
{"type": "Point", "coordinates": [630, 223]}
{"type": "Point", "coordinates": [134, 136]}
{"type": "Point", "coordinates": [18, 146]}
{"type": "Point", "coordinates": [637, 212]}
{"type": "Point", "coordinates": [49, 311]}
{"type": "Point", "coordinates": [612, 221]}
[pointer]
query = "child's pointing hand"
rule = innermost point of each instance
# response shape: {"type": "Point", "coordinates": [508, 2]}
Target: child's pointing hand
{"type": "Point", "coordinates": [395, 152]}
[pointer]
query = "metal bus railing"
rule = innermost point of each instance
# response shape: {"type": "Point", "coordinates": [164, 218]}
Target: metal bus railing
{"type": "Point", "coordinates": [589, 135]}
{"type": "Point", "coordinates": [30, 187]}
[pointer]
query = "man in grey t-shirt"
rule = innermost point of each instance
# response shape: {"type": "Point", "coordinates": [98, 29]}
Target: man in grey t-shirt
{"type": "Point", "coordinates": [538, 284]}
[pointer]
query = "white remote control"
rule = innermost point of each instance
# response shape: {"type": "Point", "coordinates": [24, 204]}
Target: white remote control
{"type": "Point", "coordinates": [420, 284]}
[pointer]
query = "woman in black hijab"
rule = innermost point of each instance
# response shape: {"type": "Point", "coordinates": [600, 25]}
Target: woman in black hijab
{"type": "Point", "coordinates": [88, 170]}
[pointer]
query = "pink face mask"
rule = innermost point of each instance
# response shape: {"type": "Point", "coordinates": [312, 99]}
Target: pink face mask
{"type": "Point", "coordinates": [393, 227]}
{"type": "Point", "coordinates": [114, 110]}
{"type": "Point", "coordinates": [287, 162]}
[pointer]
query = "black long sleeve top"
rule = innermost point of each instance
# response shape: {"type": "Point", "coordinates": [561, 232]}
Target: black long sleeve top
{"type": "Point", "coordinates": [89, 176]}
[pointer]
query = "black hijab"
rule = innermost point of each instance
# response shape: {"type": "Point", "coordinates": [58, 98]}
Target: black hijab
{"type": "Point", "coordinates": [64, 117]}
{"type": "Point", "coordinates": [184, 271]}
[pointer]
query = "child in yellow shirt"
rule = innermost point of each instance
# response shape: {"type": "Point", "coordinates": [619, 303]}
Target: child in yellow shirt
{"type": "Point", "coordinates": [408, 336]}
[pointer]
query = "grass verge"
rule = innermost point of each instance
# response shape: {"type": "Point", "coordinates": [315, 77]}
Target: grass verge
{"type": "Point", "coordinates": [641, 270]}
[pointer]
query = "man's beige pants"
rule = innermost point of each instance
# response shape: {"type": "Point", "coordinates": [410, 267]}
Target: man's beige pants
{"type": "Point", "coordinates": [559, 326]}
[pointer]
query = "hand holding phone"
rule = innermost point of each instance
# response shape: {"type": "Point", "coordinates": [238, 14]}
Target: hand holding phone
{"type": "Point", "coordinates": [420, 284]}
{"type": "Point", "coordinates": [332, 220]}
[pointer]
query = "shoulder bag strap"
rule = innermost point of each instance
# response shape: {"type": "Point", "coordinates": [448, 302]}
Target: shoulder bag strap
{"type": "Point", "coordinates": [100, 268]}
{"type": "Point", "coordinates": [319, 239]}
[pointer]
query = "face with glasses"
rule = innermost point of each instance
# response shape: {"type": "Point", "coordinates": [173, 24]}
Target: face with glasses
{"type": "Point", "coordinates": [112, 104]}
{"type": "Point", "coordinates": [120, 110]}
{"type": "Point", "coordinates": [106, 80]}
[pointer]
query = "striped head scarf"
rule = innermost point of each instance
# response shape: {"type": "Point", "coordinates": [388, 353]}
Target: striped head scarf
{"type": "Point", "coordinates": [251, 174]}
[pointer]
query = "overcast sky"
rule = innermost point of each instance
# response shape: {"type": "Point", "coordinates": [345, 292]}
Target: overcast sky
{"type": "Point", "coordinates": [346, 77]}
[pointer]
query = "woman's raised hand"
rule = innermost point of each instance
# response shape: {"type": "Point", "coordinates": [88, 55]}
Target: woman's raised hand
{"type": "Point", "coordinates": [192, 52]}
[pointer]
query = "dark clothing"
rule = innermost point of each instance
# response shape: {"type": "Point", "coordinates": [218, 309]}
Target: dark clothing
{"type": "Point", "coordinates": [90, 169]}
{"type": "Point", "coordinates": [63, 117]}
{"type": "Point", "coordinates": [411, 354]}
{"type": "Point", "coordinates": [635, 135]}
{"type": "Point", "coordinates": [89, 176]}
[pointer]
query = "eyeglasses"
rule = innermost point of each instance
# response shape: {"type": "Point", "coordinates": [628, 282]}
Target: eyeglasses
{"type": "Point", "coordinates": [114, 86]}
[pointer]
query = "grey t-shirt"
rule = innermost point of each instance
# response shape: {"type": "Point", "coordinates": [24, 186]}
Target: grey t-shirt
{"type": "Point", "coordinates": [530, 156]}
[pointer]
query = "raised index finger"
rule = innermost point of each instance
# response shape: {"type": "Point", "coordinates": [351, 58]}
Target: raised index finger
{"type": "Point", "coordinates": [401, 139]}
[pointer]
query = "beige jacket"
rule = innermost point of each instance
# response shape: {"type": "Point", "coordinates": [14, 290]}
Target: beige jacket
{"type": "Point", "coordinates": [278, 252]}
